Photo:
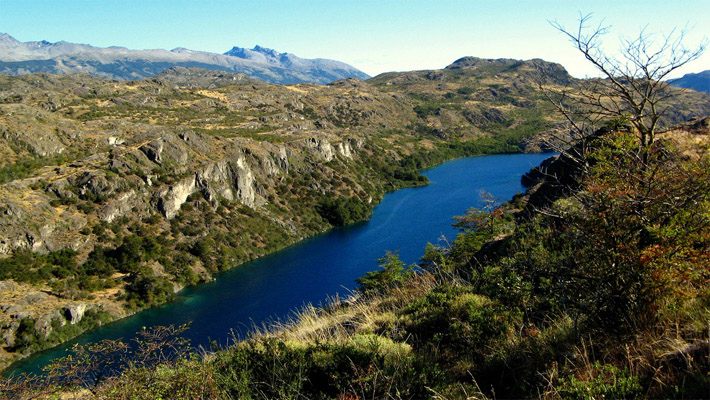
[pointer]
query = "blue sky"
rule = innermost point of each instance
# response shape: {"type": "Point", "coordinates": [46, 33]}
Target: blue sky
{"type": "Point", "coordinates": [373, 35]}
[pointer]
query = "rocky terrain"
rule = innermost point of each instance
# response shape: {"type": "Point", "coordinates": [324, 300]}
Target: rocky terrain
{"type": "Point", "coordinates": [20, 58]}
{"type": "Point", "coordinates": [115, 195]}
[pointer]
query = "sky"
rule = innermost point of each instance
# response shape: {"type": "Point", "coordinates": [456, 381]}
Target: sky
{"type": "Point", "coordinates": [373, 35]}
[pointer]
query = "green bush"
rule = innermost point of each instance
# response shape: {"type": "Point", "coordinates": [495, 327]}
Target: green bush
{"type": "Point", "coordinates": [341, 211]}
{"type": "Point", "coordinates": [608, 382]}
{"type": "Point", "coordinates": [457, 321]}
{"type": "Point", "coordinates": [393, 273]}
{"type": "Point", "coordinates": [144, 290]}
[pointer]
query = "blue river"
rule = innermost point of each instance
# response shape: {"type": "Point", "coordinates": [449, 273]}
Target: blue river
{"type": "Point", "coordinates": [274, 286]}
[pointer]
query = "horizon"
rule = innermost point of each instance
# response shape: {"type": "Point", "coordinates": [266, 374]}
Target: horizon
{"type": "Point", "coordinates": [375, 37]}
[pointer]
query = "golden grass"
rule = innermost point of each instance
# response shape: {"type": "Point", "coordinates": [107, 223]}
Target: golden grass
{"type": "Point", "coordinates": [342, 319]}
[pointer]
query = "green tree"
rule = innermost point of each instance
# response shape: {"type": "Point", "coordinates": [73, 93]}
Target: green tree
{"type": "Point", "coordinates": [393, 272]}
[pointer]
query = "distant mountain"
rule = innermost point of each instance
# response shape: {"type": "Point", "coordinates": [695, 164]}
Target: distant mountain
{"type": "Point", "coordinates": [20, 58]}
{"type": "Point", "coordinates": [699, 81]}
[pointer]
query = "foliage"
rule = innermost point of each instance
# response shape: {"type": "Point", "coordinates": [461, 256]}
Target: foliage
{"type": "Point", "coordinates": [343, 211]}
{"type": "Point", "coordinates": [366, 367]}
{"type": "Point", "coordinates": [608, 382]}
{"type": "Point", "coordinates": [516, 308]}
{"type": "Point", "coordinates": [634, 228]}
{"type": "Point", "coordinates": [576, 300]}
{"type": "Point", "coordinates": [456, 321]}
{"type": "Point", "coordinates": [29, 339]}
{"type": "Point", "coordinates": [393, 273]}
{"type": "Point", "coordinates": [90, 367]}
{"type": "Point", "coordinates": [25, 167]}
{"type": "Point", "coordinates": [59, 268]}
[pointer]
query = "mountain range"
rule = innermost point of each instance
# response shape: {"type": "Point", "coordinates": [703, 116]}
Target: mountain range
{"type": "Point", "coordinates": [120, 63]}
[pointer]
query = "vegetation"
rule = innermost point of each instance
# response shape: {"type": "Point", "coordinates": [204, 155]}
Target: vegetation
{"type": "Point", "coordinates": [393, 272]}
{"type": "Point", "coordinates": [521, 305]}
{"type": "Point", "coordinates": [29, 340]}
{"type": "Point", "coordinates": [160, 186]}
{"type": "Point", "coordinates": [635, 90]}
{"type": "Point", "coordinates": [340, 211]}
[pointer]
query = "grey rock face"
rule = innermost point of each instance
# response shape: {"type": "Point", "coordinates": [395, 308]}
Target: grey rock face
{"type": "Point", "coordinates": [61, 188]}
{"type": "Point", "coordinates": [281, 157]}
{"type": "Point", "coordinates": [347, 147]}
{"type": "Point", "coordinates": [123, 204]}
{"type": "Point", "coordinates": [43, 325]}
{"type": "Point", "coordinates": [174, 196]}
{"type": "Point", "coordinates": [33, 298]}
{"type": "Point", "coordinates": [9, 335]}
{"type": "Point", "coordinates": [321, 147]}
{"type": "Point", "coordinates": [244, 182]}
{"type": "Point", "coordinates": [15, 311]}
{"type": "Point", "coordinates": [153, 150]}
{"type": "Point", "coordinates": [27, 220]}
{"type": "Point", "coordinates": [74, 313]}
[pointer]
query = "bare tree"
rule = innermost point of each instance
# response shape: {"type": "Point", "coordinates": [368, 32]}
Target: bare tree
{"type": "Point", "coordinates": [633, 90]}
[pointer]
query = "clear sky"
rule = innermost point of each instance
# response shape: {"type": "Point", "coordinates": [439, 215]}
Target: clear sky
{"type": "Point", "coordinates": [373, 35]}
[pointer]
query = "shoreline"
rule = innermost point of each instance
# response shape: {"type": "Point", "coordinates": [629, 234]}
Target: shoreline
{"type": "Point", "coordinates": [8, 369]}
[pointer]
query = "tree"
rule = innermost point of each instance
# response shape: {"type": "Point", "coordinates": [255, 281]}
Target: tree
{"type": "Point", "coordinates": [632, 91]}
{"type": "Point", "coordinates": [393, 273]}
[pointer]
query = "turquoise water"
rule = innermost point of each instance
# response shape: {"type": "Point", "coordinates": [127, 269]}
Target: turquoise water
{"type": "Point", "coordinates": [274, 286]}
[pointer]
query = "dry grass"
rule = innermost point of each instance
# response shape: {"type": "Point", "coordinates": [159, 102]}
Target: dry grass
{"type": "Point", "coordinates": [340, 319]}
{"type": "Point", "coordinates": [663, 357]}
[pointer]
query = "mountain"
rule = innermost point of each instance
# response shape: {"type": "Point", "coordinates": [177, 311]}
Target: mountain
{"type": "Point", "coordinates": [501, 97]}
{"type": "Point", "coordinates": [260, 54]}
{"type": "Point", "coordinates": [21, 58]}
{"type": "Point", "coordinates": [699, 81]}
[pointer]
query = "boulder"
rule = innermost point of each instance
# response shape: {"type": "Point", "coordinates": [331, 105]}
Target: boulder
{"type": "Point", "coordinates": [153, 150]}
{"type": "Point", "coordinates": [33, 298]}
{"type": "Point", "coordinates": [9, 335]}
{"type": "Point", "coordinates": [74, 313]}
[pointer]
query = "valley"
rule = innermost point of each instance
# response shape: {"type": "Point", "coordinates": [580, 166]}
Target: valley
{"type": "Point", "coordinates": [116, 195]}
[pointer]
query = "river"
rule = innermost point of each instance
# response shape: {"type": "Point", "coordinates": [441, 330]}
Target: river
{"type": "Point", "coordinates": [311, 271]}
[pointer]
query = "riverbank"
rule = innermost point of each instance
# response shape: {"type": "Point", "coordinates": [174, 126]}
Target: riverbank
{"type": "Point", "coordinates": [318, 267]}
{"type": "Point", "coordinates": [115, 195]}
{"type": "Point", "coordinates": [527, 302]}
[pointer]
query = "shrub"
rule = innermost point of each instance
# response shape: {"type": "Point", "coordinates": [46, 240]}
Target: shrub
{"type": "Point", "coordinates": [392, 273]}
{"type": "Point", "coordinates": [343, 211]}
{"type": "Point", "coordinates": [607, 381]}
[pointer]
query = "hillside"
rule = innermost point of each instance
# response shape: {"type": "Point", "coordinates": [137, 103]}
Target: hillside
{"type": "Point", "coordinates": [502, 97]}
{"type": "Point", "coordinates": [21, 58]}
{"type": "Point", "coordinates": [699, 81]}
{"type": "Point", "coordinates": [117, 194]}
{"type": "Point", "coordinates": [522, 305]}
